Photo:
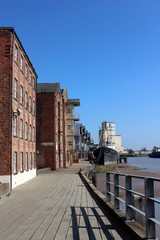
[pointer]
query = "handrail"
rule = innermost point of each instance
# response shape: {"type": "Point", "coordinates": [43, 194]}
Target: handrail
{"type": "Point", "coordinates": [115, 184]}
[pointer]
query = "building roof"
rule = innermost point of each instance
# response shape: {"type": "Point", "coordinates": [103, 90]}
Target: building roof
{"type": "Point", "coordinates": [47, 87]}
{"type": "Point", "coordinates": [53, 88]}
{"type": "Point", "coordinates": [14, 32]}
{"type": "Point", "coordinates": [75, 102]}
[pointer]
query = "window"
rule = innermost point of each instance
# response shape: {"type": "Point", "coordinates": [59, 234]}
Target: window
{"type": "Point", "coordinates": [21, 95]}
{"type": "Point", "coordinates": [26, 130]}
{"type": "Point", "coordinates": [70, 127]}
{"type": "Point", "coordinates": [26, 70]}
{"type": "Point", "coordinates": [15, 162]}
{"type": "Point", "coordinates": [33, 82]}
{"type": "Point", "coordinates": [30, 77]}
{"type": "Point", "coordinates": [30, 133]}
{"type": "Point", "coordinates": [26, 100]}
{"type": "Point", "coordinates": [27, 161]}
{"type": "Point", "coordinates": [30, 160]}
{"type": "Point", "coordinates": [15, 89]}
{"type": "Point", "coordinates": [70, 142]}
{"type": "Point", "coordinates": [43, 91]}
{"type": "Point", "coordinates": [33, 134]}
{"type": "Point", "coordinates": [21, 128]}
{"type": "Point", "coordinates": [69, 110]}
{"type": "Point", "coordinates": [34, 160]}
{"type": "Point", "coordinates": [14, 125]}
{"type": "Point", "coordinates": [21, 63]}
{"type": "Point", "coordinates": [30, 104]}
{"type": "Point", "coordinates": [15, 53]}
{"type": "Point", "coordinates": [33, 108]}
{"type": "Point", "coordinates": [21, 161]}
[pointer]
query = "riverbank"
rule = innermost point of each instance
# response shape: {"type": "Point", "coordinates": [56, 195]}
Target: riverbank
{"type": "Point", "coordinates": [128, 170]}
{"type": "Point", "coordinates": [143, 167]}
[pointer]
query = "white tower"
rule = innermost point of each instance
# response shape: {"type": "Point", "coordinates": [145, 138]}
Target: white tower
{"type": "Point", "coordinates": [107, 137]}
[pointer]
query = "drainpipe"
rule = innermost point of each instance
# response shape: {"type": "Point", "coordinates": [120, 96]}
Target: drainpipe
{"type": "Point", "coordinates": [54, 117]}
{"type": "Point", "coordinates": [11, 76]}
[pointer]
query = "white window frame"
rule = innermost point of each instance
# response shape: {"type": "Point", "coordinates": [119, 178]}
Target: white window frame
{"type": "Point", "coordinates": [15, 88]}
{"type": "Point", "coordinates": [21, 63]}
{"type": "Point", "coordinates": [21, 95]}
{"type": "Point", "coordinates": [33, 108]}
{"type": "Point", "coordinates": [26, 161]}
{"type": "Point", "coordinates": [21, 128]}
{"type": "Point", "coordinates": [33, 134]}
{"type": "Point", "coordinates": [15, 53]}
{"type": "Point", "coordinates": [26, 100]}
{"type": "Point", "coordinates": [30, 77]}
{"type": "Point", "coordinates": [30, 132]}
{"type": "Point", "coordinates": [30, 104]}
{"type": "Point", "coordinates": [26, 130]}
{"type": "Point", "coordinates": [33, 82]}
{"type": "Point", "coordinates": [15, 126]}
{"type": "Point", "coordinates": [26, 71]}
{"type": "Point", "coordinates": [21, 161]}
{"type": "Point", "coordinates": [34, 160]}
{"type": "Point", "coordinates": [15, 162]}
{"type": "Point", "coordinates": [31, 160]}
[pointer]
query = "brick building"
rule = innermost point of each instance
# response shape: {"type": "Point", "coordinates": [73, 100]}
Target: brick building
{"type": "Point", "coordinates": [50, 126]}
{"type": "Point", "coordinates": [70, 119]}
{"type": "Point", "coordinates": [55, 126]}
{"type": "Point", "coordinates": [17, 111]}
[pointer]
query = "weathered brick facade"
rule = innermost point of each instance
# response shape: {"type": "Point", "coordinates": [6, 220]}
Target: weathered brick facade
{"type": "Point", "coordinates": [55, 126]}
{"type": "Point", "coordinates": [17, 111]}
{"type": "Point", "coordinates": [45, 130]}
{"type": "Point", "coordinates": [70, 104]}
{"type": "Point", "coordinates": [50, 126]}
{"type": "Point", "coordinates": [5, 100]}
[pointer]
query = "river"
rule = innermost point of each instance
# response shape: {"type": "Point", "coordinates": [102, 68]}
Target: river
{"type": "Point", "coordinates": [148, 164]}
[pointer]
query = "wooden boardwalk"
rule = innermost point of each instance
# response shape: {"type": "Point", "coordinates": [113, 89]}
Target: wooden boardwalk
{"type": "Point", "coordinates": [54, 205]}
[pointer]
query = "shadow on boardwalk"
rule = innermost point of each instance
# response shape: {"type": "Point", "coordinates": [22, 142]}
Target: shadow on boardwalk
{"type": "Point", "coordinates": [56, 205]}
{"type": "Point", "coordinates": [90, 230]}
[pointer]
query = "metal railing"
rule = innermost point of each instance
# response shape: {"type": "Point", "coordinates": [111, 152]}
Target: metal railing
{"type": "Point", "coordinates": [121, 190]}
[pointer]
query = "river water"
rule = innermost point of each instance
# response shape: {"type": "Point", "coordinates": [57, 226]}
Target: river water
{"type": "Point", "coordinates": [148, 164]}
{"type": "Point", "coordinates": [145, 164]}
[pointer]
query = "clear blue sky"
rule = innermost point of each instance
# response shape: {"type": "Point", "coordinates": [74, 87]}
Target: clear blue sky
{"type": "Point", "coordinates": [105, 52]}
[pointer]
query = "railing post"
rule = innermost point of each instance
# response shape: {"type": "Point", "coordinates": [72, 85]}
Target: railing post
{"type": "Point", "coordinates": [116, 191]}
{"type": "Point", "coordinates": [149, 208]}
{"type": "Point", "coordinates": [128, 186]}
{"type": "Point", "coordinates": [94, 178]}
{"type": "Point", "coordinates": [108, 187]}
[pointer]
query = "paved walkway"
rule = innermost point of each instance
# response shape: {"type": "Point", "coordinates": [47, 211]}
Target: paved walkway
{"type": "Point", "coordinates": [54, 205]}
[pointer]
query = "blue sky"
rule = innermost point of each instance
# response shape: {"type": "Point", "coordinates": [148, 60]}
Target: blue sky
{"type": "Point", "coordinates": [105, 52]}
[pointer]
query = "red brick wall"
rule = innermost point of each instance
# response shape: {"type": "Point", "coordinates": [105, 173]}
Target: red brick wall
{"type": "Point", "coordinates": [9, 70]}
{"type": "Point", "coordinates": [50, 130]}
{"type": "Point", "coordinates": [5, 89]}
{"type": "Point", "coordinates": [21, 144]}
{"type": "Point", "coordinates": [45, 130]}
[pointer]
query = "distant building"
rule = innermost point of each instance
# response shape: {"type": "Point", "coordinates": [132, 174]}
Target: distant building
{"type": "Point", "coordinates": [83, 141]}
{"type": "Point", "coordinates": [70, 120]}
{"type": "Point", "coordinates": [18, 81]}
{"type": "Point", "coordinates": [108, 137]}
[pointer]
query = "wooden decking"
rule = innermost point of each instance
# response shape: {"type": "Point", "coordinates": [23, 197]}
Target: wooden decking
{"type": "Point", "coordinates": [54, 205]}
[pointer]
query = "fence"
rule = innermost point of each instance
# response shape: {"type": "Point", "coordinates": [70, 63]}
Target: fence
{"type": "Point", "coordinates": [121, 191]}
